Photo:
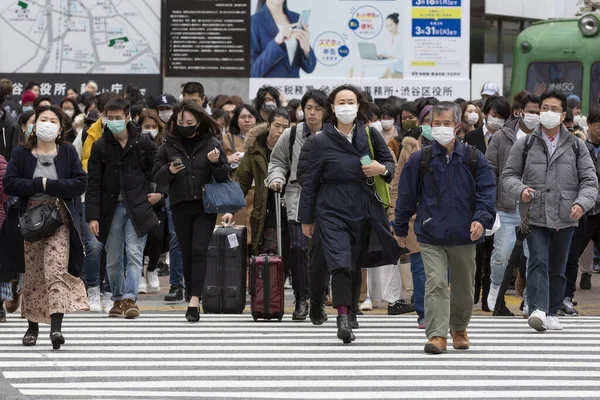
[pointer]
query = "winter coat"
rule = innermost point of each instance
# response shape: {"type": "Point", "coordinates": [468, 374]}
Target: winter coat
{"type": "Point", "coordinates": [10, 135]}
{"type": "Point", "coordinates": [303, 159]}
{"type": "Point", "coordinates": [187, 185]}
{"type": "Point", "coordinates": [89, 136]}
{"type": "Point", "coordinates": [410, 145]}
{"type": "Point", "coordinates": [477, 138]}
{"type": "Point", "coordinates": [69, 186]}
{"type": "Point", "coordinates": [352, 223]}
{"type": "Point", "coordinates": [3, 196]}
{"type": "Point", "coordinates": [253, 168]}
{"type": "Point", "coordinates": [497, 155]}
{"type": "Point", "coordinates": [562, 179]}
{"type": "Point", "coordinates": [596, 160]}
{"type": "Point", "coordinates": [450, 202]}
{"type": "Point", "coordinates": [279, 167]}
{"type": "Point", "coordinates": [232, 143]}
{"type": "Point", "coordinates": [114, 170]}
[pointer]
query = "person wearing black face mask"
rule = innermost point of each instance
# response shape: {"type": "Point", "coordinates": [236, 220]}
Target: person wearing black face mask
{"type": "Point", "coordinates": [187, 160]}
{"type": "Point", "coordinates": [267, 100]}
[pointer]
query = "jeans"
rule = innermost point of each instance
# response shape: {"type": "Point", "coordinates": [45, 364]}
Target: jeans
{"type": "Point", "coordinates": [546, 281]}
{"type": "Point", "coordinates": [175, 259]}
{"type": "Point", "coordinates": [504, 242]}
{"type": "Point", "coordinates": [93, 255]}
{"type": "Point", "coordinates": [195, 229]}
{"type": "Point", "coordinates": [122, 236]}
{"type": "Point", "coordinates": [418, 275]}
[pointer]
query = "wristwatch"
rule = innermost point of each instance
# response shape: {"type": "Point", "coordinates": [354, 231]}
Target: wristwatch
{"type": "Point", "coordinates": [386, 173]}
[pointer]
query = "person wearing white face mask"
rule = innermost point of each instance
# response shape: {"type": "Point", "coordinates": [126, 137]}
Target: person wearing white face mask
{"type": "Point", "coordinates": [452, 215]}
{"type": "Point", "coordinates": [497, 111]}
{"type": "Point", "coordinates": [497, 155]}
{"type": "Point", "coordinates": [45, 171]}
{"type": "Point", "coordinates": [354, 232]}
{"type": "Point", "coordinates": [552, 168]}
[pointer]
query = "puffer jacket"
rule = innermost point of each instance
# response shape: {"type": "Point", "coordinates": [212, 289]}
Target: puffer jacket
{"type": "Point", "coordinates": [497, 154]}
{"type": "Point", "coordinates": [561, 179]}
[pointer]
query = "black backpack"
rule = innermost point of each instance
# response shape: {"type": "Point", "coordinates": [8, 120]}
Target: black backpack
{"type": "Point", "coordinates": [425, 167]}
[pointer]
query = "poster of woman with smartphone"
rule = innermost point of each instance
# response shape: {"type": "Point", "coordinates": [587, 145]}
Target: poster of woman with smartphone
{"type": "Point", "coordinates": [280, 41]}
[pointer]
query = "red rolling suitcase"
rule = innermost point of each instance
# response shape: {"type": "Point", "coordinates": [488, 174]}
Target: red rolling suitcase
{"type": "Point", "coordinates": [267, 279]}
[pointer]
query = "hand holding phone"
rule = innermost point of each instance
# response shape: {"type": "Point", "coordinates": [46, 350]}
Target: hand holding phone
{"type": "Point", "coordinates": [176, 165]}
{"type": "Point", "coordinates": [365, 160]}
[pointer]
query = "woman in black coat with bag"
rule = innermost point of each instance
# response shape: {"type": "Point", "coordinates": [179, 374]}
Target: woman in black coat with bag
{"type": "Point", "coordinates": [46, 171]}
{"type": "Point", "coordinates": [340, 205]}
{"type": "Point", "coordinates": [190, 157]}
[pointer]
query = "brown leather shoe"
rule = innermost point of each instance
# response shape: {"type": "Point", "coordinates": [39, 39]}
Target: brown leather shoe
{"type": "Point", "coordinates": [13, 305]}
{"type": "Point", "coordinates": [117, 310]}
{"type": "Point", "coordinates": [460, 340]}
{"type": "Point", "coordinates": [436, 345]}
{"type": "Point", "coordinates": [130, 309]}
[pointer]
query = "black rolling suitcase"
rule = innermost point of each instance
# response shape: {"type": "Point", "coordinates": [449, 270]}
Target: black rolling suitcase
{"type": "Point", "coordinates": [225, 284]}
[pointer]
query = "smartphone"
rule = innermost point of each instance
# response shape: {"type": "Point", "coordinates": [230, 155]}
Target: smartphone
{"type": "Point", "coordinates": [304, 17]}
{"type": "Point", "coordinates": [365, 160]}
{"type": "Point", "coordinates": [177, 162]}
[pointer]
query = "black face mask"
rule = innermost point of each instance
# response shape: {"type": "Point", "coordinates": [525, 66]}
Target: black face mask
{"type": "Point", "coordinates": [186, 132]}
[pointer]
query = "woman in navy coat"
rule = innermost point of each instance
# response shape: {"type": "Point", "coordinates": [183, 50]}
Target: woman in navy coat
{"type": "Point", "coordinates": [46, 170]}
{"type": "Point", "coordinates": [340, 205]}
{"type": "Point", "coordinates": [279, 47]}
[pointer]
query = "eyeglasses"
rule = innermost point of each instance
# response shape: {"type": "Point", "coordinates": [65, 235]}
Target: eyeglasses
{"type": "Point", "coordinates": [553, 109]}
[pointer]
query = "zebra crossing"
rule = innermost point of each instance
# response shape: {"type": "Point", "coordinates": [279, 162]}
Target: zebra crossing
{"type": "Point", "coordinates": [163, 356]}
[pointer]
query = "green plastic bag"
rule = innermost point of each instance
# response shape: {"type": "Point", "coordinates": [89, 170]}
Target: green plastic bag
{"type": "Point", "coordinates": [381, 188]}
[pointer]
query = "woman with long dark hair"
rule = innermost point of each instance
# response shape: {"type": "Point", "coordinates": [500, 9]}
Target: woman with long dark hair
{"type": "Point", "coordinates": [189, 158]}
{"type": "Point", "coordinates": [279, 46]}
{"type": "Point", "coordinates": [339, 202]}
{"type": "Point", "coordinates": [46, 170]}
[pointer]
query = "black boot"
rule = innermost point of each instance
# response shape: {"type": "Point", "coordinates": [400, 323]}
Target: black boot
{"type": "Point", "coordinates": [175, 294]}
{"type": "Point", "coordinates": [344, 332]}
{"type": "Point", "coordinates": [353, 321]}
{"type": "Point", "coordinates": [301, 310]}
{"type": "Point", "coordinates": [317, 313]}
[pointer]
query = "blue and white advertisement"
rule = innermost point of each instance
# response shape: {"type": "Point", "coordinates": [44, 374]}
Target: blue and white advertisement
{"type": "Point", "coordinates": [406, 48]}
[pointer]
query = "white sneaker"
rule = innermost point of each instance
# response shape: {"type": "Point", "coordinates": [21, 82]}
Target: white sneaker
{"type": "Point", "coordinates": [537, 320]}
{"type": "Point", "coordinates": [94, 299]}
{"type": "Point", "coordinates": [107, 303]}
{"type": "Point", "coordinates": [153, 282]}
{"type": "Point", "coordinates": [142, 288]}
{"type": "Point", "coordinates": [367, 305]}
{"type": "Point", "coordinates": [493, 296]}
{"type": "Point", "coordinates": [553, 324]}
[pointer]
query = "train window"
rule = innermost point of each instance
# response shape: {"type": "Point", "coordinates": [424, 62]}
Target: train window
{"type": "Point", "coordinates": [595, 84]}
{"type": "Point", "coordinates": [566, 77]}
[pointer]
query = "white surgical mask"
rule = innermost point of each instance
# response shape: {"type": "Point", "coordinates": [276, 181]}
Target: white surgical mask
{"type": "Point", "coordinates": [550, 119]}
{"type": "Point", "coordinates": [442, 134]}
{"type": "Point", "coordinates": [576, 119]}
{"type": "Point", "coordinates": [300, 115]}
{"type": "Point", "coordinates": [376, 125]}
{"type": "Point", "coordinates": [69, 113]}
{"type": "Point", "coordinates": [46, 131]}
{"type": "Point", "coordinates": [165, 115]}
{"type": "Point", "coordinates": [531, 121]}
{"type": "Point", "coordinates": [495, 123]}
{"type": "Point", "coordinates": [472, 118]}
{"type": "Point", "coordinates": [151, 132]}
{"type": "Point", "coordinates": [387, 124]}
{"type": "Point", "coordinates": [346, 113]}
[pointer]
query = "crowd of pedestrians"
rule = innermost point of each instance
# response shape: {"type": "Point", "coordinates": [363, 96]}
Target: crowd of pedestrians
{"type": "Point", "coordinates": [103, 193]}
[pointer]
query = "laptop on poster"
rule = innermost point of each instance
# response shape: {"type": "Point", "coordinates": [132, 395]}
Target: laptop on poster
{"type": "Point", "coordinates": [368, 51]}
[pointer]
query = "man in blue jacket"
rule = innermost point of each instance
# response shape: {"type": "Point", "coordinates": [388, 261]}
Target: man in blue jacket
{"type": "Point", "coordinates": [452, 189]}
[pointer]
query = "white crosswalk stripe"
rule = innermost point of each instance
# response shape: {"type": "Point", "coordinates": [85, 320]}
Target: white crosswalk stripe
{"type": "Point", "coordinates": [162, 356]}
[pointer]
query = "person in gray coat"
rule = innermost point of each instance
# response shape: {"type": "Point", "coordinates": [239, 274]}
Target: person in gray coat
{"type": "Point", "coordinates": [497, 154]}
{"type": "Point", "coordinates": [283, 167]}
{"type": "Point", "coordinates": [556, 174]}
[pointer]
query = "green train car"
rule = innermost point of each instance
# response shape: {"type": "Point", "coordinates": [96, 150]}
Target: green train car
{"type": "Point", "coordinates": [560, 54]}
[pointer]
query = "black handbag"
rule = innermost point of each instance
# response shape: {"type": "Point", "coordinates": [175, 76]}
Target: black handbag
{"type": "Point", "coordinates": [40, 222]}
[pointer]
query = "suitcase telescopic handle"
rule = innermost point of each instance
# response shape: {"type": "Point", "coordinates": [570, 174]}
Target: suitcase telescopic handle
{"type": "Point", "coordinates": [278, 218]}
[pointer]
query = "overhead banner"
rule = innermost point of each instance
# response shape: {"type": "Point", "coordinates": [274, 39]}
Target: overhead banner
{"type": "Point", "coordinates": [406, 48]}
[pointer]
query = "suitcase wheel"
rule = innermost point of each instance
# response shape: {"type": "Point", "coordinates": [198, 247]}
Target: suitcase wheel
{"type": "Point", "coordinates": [279, 317]}
{"type": "Point", "coordinates": [255, 317]}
